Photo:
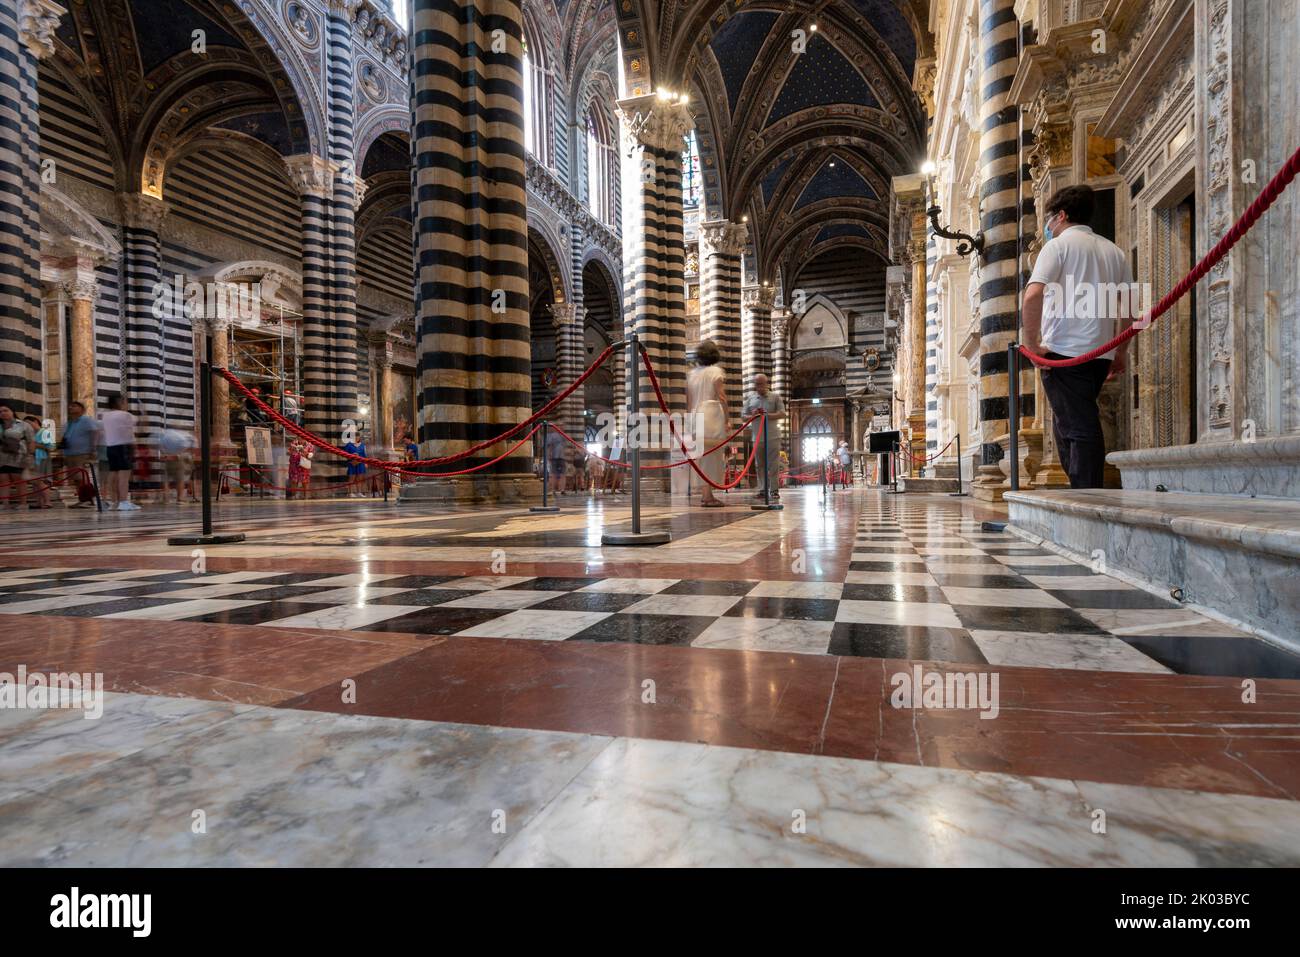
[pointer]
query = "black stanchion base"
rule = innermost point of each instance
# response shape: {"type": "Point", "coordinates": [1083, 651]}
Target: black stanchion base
{"type": "Point", "coordinates": [224, 539]}
{"type": "Point", "coordinates": [773, 507]}
{"type": "Point", "coordinates": [544, 508]}
{"type": "Point", "coordinates": [957, 494]}
{"type": "Point", "coordinates": [635, 538]}
{"type": "Point", "coordinates": [993, 526]}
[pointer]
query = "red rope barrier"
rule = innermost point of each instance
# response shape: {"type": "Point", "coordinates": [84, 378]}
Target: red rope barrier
{"type": "Point", "coordinates": [1248, 219]}
{"type": "Point", "coordinates": [654, 382]}
{"type": "Point", "coordinates": [925, 460]}
{"type": "Point", "coordinates": [290, 426]}
{"type": "Point", "coordinates": [647, 468]}
{"type": "Point", "coordinates": [50, 479]}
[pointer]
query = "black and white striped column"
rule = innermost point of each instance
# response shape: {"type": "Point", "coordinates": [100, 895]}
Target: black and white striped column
{"type": "Point", "coordinates": [343, 201]}
{"type": "Point", "coordinates": [781, 367]}
{"type": "Point", "coordinates": [756, 336]}
{"type": "Point", "coordinates": [569, 365]}
{"type": "Point", "coordinates": [26, 35]}
{"type": "Point", "coordinates": [721, 245]}
{"type": "Point", "coordinates": [149, 301]}
{"type": "Point", "coordinates": [654, 300]}
{"type": "Point", "coordinates": [470, 229]}
{"type": "Point", "coordinates": [999, 203]}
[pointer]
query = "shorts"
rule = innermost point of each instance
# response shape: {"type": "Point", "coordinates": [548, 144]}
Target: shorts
{"type": "Point", "coordinates": [180, 468]}
{"type": "Point", "coordinates": [121, 458]}
{"type": "Point", "coordinates": [557, 466]}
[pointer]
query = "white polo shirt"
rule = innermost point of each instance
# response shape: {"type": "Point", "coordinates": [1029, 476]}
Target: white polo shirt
{"type": "Point", "coordinates": [1082, 274]}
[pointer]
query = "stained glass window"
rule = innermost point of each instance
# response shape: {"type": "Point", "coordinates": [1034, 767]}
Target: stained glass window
{"type": "Point", "coordinates": [692, 183]}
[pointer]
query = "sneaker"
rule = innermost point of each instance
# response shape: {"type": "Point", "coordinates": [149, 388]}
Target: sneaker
{"type": "Point", "coordinates": [128, 507]}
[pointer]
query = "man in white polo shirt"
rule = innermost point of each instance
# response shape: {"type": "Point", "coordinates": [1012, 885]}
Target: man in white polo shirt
{"type": "Point", "coordinates": [1077, 299]}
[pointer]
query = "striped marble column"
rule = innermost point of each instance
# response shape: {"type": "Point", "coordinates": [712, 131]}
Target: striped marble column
{"type": "Point", "coordinates": [653, 247]}
{"type": "Point", "coordinates": [148, 297]}
{"type": "Point", "coordinates": [721, 246]}
{"type": "Point", "coordinates": [931, 354]}
{"type": "Point", "coordinates": [998, 161]}
{"type": "Point", "coordinates": [569, 364]}
{"type": "Point", "coordinates": [345, 197]}
{"type": "Point", "coordinates": [781, 366]}
{"type": "Point", "coordinates": [756, 336]}
{"type": "Point", "coordinates": [326, 401]}
{"type": "Point", "coordinates": [471, 303]}
{"type": "Point", "coordinates": [26, 35]}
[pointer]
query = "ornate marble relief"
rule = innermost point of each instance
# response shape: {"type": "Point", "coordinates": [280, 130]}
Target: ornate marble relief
{"type": "Point", "coordinates": [1219, 213]}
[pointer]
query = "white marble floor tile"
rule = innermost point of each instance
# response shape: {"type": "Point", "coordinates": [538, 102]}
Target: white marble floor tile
{"type": "Point", "coordinates": [82, 588]}
{"type": "Point", "coordinates": [182, 609]}
{"type": "Point", "coordinates": [1082, 652]}
{"type": "Point", "coordinates": [924, 614]}
{"type": "Point", "coordinates": [536, 625]}
{"type": "Point", "coordinates": [1028, 560]}
{"type": "Point", "coordinates": [344, 617]}
{"type": "Point", "coordinates": [631, 586]}
{"type": "Point", "coordinates": [1002, 597]}
{"type": "Point", "coordinates": [927, 550]}
{"type": "Point", "coordinates": [1136, 621]}
{"type": "Point", "coordinates": [356, 595]}
{"type": "Point", "coordinates": [225, 578]}
{"type": "Point", "coordinates": [796, 590]}
{"type": "Point", "coordinates": [48, 603]}
{"type": "Point", "coordinates": [767, 634]}
{"type": "Point", "coordinates": [703, 605]}
{"type": "Point", "coordinates": [340, 581]}
{"type": "Point", "coordinates": [210, 591]}
{"type": "Point", "coordinates": [904, 557]}
{"type": "Point", "coordinates": [483, 582]}
{"type": "Point", "coordinates": [1079, 583]}
{"type": "Point", "coordinates": [889, 578]}
{"type": "Point", "coordinates": [501, 598]}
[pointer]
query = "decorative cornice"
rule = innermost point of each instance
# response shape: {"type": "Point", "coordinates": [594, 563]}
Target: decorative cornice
{"type": "Point", "coordinates": [312, 175]}
{"type": "Point", "coordinates": [37, 21]}
{"type": "Point", "coordinates": [547, 187]}
{"type": "Point", "coordinates": [383, 35]}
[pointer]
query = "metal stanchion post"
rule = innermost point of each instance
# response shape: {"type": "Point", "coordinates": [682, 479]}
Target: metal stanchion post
{"type": "Point", "coordinates": [636, 536]}
{"type": "Point", "coordinates": [1013, 413]}
{"type": "Point", "coordinates": [767, 505]}
{"type": "Point", "coordinates": [546, 474]}
{"type": "Point", "coordinates": [388, 481]}
{"type": "Point", "coordinates": [959, 492]}
{"type": "Point", "coordinates": [91, 468]}
{"type": "Point", "coordinates": [205, 451]}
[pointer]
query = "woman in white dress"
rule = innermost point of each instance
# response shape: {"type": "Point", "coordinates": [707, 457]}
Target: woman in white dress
{"type": "Point", "coordinates": [707, 398]}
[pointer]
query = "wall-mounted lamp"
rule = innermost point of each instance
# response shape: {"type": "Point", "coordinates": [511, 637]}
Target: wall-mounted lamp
{"type": "Point", "coordinates": [966, 243]}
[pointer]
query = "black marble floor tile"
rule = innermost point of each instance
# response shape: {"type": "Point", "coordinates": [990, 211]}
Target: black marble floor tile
{"type": "Point", "coordinates": [1005, 550]}
{"type": "Point", "coordinates": [886, 566]}
{"type": "Point", "coordinates": [1236, 656]}
{"type": "Point", "coordinates": [646, 629]}
{"type": "Point", "coordinates": [785, 609]}
{"type": "Point", "coordinates": [258, 614]}
{"type": "Point", "coordinates": [904, 641]}
{"type": "Point", "coordinates": [976, 562]}
{"type": "Point", "coordinates": [423, 596]}
{"type": "Point", "coordinates": [284, 592]}
{"type": "Point", "coordinates": [554, 584]}
{"type": "Point", "coordinates": [1040, 571]}
{"type": "Point", "coordinates": [295, 578]}
{"type": "Point", "coordinates": [588, 601]}
{"type": "Point", "coordinates": [893, 592]}
{"type": "Point", "coordinates": [416, 581]}
{"type": "Point", "coordinates": [110, 606]}
{"type": "Point", "coordinates": [710, 588]}
{"type": "Point", "coordinates": [15, 592]}
{"type": "Point", "coordinates": [1108, 598]}
{"type": "Point", "coordinates": [437, 620]}
{"type": "Point", "coordinates": [1048, 621]}
{"type": "Point", "coordinates": [991, 580]}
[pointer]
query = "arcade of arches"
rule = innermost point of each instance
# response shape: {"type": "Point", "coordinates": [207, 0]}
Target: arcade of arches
{"type": "Point", "coordinates": [304, 194]}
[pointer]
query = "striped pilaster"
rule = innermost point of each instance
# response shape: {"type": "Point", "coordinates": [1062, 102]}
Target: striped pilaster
{"type": "Point", "coordinates": [471, 306]}
{"type": "Point", "coordinates": [653, 246]}
{"type": "Point", "coordinates": [999, 200]}
{"type": "Point", "coordinates": [756, 335]}
{"type": "Point", "coordinates": [149, 301]}
{"type": "Point", "coordinates": [931, 351]}
{"type": "Point", "coordinates": [26, 32]}
{"type": "Point", "coordinates": [780, 346]}
{"type": "Point", "coordinates": [568, 364]}
{"type": "Point", "coordinates": [721, 245]}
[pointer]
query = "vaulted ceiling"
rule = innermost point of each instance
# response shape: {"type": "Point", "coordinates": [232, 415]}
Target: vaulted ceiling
{"type": "Point", "coordinates": [800, 130]}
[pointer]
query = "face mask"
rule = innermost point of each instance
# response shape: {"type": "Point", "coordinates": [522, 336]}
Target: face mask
{"type": "Point", "coordinates": [1047, 230]}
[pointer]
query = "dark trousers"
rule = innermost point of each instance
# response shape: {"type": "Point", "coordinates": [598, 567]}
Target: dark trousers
{"type": "Point", "coordinates": [1076, 425]}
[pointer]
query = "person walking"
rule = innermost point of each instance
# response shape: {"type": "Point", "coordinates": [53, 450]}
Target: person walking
{"type": "Point", "coordinates": [555, 458]}
{"type": "Point", "coordinates": [356, 469]}
{"type": "Point", "coordinates": [177, 449]}
{"type": "Point", "coordinates": [300, 456]}
{"type": "Point", "coordinates": [1066, 313]}
{"type": "Point", "coordinates": [117, 432]}
{"type": "Point", "coordinates": [845, 463]}
{"type": "Point", "coordinates": [80, 439]}
{"type": "Point", "coordinates": [13, 457]}
{"type": "Point", "coordinates": [763, 399]}
{"type": "Point", "coordinates": [39, 461]}
{"type": "Point", "coordinates": [706, 396]}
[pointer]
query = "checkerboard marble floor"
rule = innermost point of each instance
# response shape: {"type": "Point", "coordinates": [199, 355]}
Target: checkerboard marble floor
{"type": "Point", "coordinates": [925, 581]}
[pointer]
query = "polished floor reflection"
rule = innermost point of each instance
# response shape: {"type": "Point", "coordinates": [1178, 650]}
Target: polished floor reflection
{"type": "Point", "coordinates": [756, 656]}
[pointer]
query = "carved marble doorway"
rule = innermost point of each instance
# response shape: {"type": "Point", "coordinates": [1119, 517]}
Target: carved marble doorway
{"type": "Point", "coordinates": [1166, 355]}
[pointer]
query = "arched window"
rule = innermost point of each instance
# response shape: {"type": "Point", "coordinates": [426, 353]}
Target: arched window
{"type": "Point", "coordinates": [816, 442]}
{"type": "Point", "coordinates": [691, 182]}
{"type": "Point", "coordinates": [602, 165]}
{"type": "Point", "coordinates": [537, 96]}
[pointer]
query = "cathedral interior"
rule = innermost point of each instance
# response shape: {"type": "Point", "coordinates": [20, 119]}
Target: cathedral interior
{"type": "Point", "coordinates": [384, 291]}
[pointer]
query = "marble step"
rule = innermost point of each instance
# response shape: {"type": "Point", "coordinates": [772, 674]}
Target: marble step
{"type": "Point", "coordinates": [1261, 467]}
{"type": "Point", "coordinates": [1235, 556]}
{"type": "Point", "coordinates": [917, 484]}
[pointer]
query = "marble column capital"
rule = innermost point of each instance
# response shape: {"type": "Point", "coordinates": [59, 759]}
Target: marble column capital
{"type": "Point", "coordinates": [656, 122]}
{"type": "Point", "coordinates": [81, 290]}
{"type": "Point", "coordinates": [312, 175]}
{"type": "Point", "coordinates": [780, 326]}
{"type": "Point", "coordinates": [142, 211]}
{"type": "Point", "coordinates": [565, 313]}
{"type": "Point", "coordinates": [759, 297]}
{"type": "Point", "coordinates": [37, 21]}
{"type": "Point", "coordinates": [218, 325]}
{"type": "Point", "coordinates": [723, 237]}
